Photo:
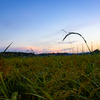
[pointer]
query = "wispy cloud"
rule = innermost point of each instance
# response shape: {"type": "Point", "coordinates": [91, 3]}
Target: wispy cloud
{"type": "Point", "coordinates": [76, 27]}
{"type": "Point", "coordinates": [66, 49]}
{"type": "Point", "coordinates": [66, 42]}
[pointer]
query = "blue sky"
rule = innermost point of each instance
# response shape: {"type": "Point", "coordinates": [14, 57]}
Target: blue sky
{"type": "Point", "coordinates": [38, 24]}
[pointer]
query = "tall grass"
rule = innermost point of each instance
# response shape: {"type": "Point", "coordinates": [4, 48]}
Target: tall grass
{"type": "Point", "coordinates": [50, 78]}
{"type": "Point", "coordinates": [5, 49]}
{"type": "Point", "coordinates": [79, 35]}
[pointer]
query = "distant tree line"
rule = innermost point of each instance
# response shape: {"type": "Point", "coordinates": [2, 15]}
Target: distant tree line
{"type": "Point", "coordinates": [23, 54]}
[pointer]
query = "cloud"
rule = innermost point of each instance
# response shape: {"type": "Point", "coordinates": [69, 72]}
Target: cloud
{"type": "Point", "coordinates": [44, 49]}
{"type": "Point", "coordinates": [66, 42]}
{"type": "Point", "coordinates": [66, 49]}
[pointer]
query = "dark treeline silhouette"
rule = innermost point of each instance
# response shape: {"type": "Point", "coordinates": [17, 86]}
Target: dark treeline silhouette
{"type": "Point", "coordinates": [23, 54]}
{"type": "Point", "coordinates": [17, 54]}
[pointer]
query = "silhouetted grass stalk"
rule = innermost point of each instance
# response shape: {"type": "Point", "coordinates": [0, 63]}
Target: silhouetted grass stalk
{"type": "Point", "coordinates": [91, 46]}
{"type": "Point", "coordinates": [77, 34]}
{"type": "Point", "coordinates": [6, 49]}
{"type": "Point", "coordinates": [69, 41]}
{"type": "Point", "coordinates": [32, 51]}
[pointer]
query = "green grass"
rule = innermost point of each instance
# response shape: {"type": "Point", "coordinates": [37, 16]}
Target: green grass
{"type": "Point", "coordinates": [50, 78]}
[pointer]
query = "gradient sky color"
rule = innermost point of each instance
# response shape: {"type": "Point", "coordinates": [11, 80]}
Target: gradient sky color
{"type": "Point", "coordinates": [38, 24]}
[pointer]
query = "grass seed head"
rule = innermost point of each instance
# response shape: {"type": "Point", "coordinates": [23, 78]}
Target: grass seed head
{"type": "Point", "coordinates": [77, 34]}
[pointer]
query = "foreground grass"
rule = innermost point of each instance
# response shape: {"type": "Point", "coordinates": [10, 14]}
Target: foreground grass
{"type": "Point", "coordinates": [50, 78]}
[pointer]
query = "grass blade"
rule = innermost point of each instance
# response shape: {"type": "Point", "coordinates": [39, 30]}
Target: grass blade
{"type": "Point", "coordinates": [77, 34]}
{"type": "Point", "coordinates": [3, 87]}
{"type": "Point", "coordinates": [8, 47]}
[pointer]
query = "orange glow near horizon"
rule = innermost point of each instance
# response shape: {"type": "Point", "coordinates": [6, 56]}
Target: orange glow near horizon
{"type": "Point", "coordinates": [58, 49]}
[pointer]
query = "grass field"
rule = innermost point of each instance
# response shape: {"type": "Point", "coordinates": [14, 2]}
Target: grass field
{"type": "Point", "coordinates": [50, 78]}
{"type": "Point", "coordinates": [75, 77]}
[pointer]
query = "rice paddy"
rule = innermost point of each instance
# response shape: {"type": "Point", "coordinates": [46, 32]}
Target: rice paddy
{"type": "Point", "coordinates": [50, 78]}
{"type": "Point", "coordinates": [75, 77]}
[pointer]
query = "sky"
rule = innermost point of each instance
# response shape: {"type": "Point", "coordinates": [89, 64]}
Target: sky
{"type": "Point", "coordinates": [38, 25]}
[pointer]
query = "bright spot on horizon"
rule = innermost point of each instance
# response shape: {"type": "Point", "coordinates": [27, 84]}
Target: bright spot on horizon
{"type": "Point", "coordinates": [38, 24]}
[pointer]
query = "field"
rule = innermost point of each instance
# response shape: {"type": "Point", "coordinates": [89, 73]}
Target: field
{"type": "Point", "coordinates": [50, 78]}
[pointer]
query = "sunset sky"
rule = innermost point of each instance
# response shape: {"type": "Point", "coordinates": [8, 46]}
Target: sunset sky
{"type": "Point", "coordinates": [38, 24]}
